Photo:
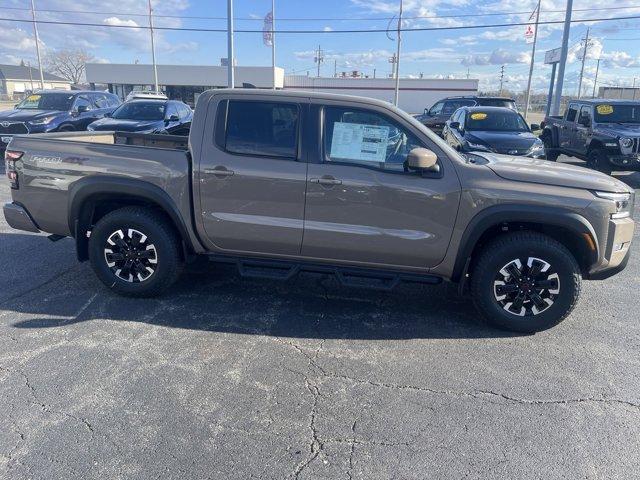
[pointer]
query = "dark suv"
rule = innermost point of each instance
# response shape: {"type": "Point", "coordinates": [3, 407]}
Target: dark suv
{"type": "Point", "coordinates": [55, 111]}
{"type": "Point", "coordinates": [436, 116]}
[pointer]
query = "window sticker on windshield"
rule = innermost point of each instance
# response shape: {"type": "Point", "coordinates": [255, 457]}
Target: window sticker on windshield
{"type": "Point", "coordinates": [478, 116]}
{"type": "Point", "coordinates": [355, 141]}
{"type": "Point", "coordinates": [604, 109]}
{"type": "Point", "coordinates": [33, 98]}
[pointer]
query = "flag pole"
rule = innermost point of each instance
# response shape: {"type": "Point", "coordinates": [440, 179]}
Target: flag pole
{"type": "Point", "coordinates": [273, 41]}
{"type": "Point", "coordinates": [533, 55]}
{"type": "Point", "coordinates": [230, 72]}
{"type": "Point", "coordinates": [397, 86]}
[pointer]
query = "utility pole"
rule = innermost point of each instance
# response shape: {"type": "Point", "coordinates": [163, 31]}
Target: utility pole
{"type": "Point", "coordinates": [468, 74]}
{"type": "Point", "coordinates": [584, 57]}
{"type": "Point", "coordinates": [30, 75]}
{"type": "Point", "coordinates": [501, 78]}
{"type": "Point", "coordinates": [533, 56]}
{"type": "Point", "coordinates": [397, 92]}
{"type": "Point", "coordinates": [35, 31]}
{"type": "Point", "coordinates": [595, 82]}
{"type": "Point", "coordinates": [374, 73]}
{"type": "Point", "coordinates": [563, 58]}
{"type": "Point", "coordinates": [153, 50]}
{"type": "Point", "coordinates": [335, 68]}
{"type": "Point", "coordinates": [273, 41]}
{"type": "Point", "coordinates": [634, 88]}
{"type": "Point", "coordinates": [319, 58]}
{"type": "Point", "coordinates": [230, 58]}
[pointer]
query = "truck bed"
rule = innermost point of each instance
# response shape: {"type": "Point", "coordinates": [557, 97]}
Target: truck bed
{"type": "Point", "coordinates": [176, 142]}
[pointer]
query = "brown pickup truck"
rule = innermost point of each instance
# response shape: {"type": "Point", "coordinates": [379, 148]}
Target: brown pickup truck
{"type": "Point", "coordinates": [280, 182]}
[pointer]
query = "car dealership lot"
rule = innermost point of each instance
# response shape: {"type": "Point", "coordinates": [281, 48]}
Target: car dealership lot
{"type": "Point", "coordinates": [227, 377]}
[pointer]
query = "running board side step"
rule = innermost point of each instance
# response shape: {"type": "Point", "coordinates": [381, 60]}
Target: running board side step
{"type": "Point", "coordinates": [347, 276]}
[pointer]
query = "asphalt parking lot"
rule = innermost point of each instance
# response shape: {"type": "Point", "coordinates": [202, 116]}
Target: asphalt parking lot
{"type": "Point", "coordinates": [228, 377]}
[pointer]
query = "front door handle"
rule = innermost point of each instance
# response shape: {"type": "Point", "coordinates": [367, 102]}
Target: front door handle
{"type": "Point", "coordinates": [219, 171]}
{"type": "Point", "coordinates": [326, 180]}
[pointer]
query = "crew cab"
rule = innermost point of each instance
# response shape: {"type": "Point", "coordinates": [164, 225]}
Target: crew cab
{"type": "Point", "coordinates": [55, 111]}
{"type": "Point", "coordinates": [282, 182]}
{"type": "Point", "coordinates": [605, 133]}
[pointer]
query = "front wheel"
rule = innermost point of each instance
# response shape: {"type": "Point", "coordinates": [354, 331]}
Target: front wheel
{"type": "Point", "coordinates": [598, 160]}
{"type": "Point", "coordinates": [525, 282]}
{"type": "Point", "coordinates": [551, 153]}
{"type": "Point", "coordinates": [135, 252]}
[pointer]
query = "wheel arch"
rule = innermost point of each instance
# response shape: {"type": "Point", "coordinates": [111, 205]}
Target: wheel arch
{"type": "Point", "coordinates": [565, 226]}
{"type": "Point", "coordinates": [93, 197]}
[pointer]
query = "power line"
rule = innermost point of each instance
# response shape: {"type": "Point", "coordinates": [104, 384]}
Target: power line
{"type": "Point", "coordinates": [371, 30]}
{"type": "Point", "coordinates": [321, 19]}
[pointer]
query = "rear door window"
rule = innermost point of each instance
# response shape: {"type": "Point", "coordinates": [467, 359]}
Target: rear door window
{"type": "Point", "coordinates": [451, 106]}
{"type": "Point", "coordinates": [262, 128]}
{"type": "Point", "coordinates": [572, 112]}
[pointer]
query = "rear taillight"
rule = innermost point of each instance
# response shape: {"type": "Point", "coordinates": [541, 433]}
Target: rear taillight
{"type": "Point", "coordinates": [10, 158]}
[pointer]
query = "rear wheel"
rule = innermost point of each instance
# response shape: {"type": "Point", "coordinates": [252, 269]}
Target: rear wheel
{"type": "Point", "coordinates": [525, 282]}
{"type": "Point", "coordinates": [134, 251]}
{"type": "Point", "coordinates": [66, 128]}
{"type": "Point", "coordinates": [598, 160]}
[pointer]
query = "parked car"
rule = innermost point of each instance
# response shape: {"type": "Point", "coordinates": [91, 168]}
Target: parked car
{"type": "Point", "coordinates": [492, 129]}
{"type": "Point", "coordinates": [55, 111]}
{"type": "Point", "coordinates": [605, 133]}
{"type": "Point", "coordinates": [145, 94]}
{"type": "Point", "coordinates": [148, 116]}
{"type": "Point", "coordinates": [277, 182]}
{"type": "Point", "coordinates": [436, 116]}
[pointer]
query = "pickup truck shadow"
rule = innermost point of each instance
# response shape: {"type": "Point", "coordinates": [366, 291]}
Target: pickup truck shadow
{"type": "Point", "coordinates": [216, 299]}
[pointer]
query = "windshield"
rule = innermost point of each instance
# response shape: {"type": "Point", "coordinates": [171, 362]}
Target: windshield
{"type": "Point", "coordinates": [495, 121]}
{"type": "Point", "coordinates": [47, 101]}
{"type": "Point", "coordinates": [497, 102]}
{"type": "Point", "coordinates": [606, 113]}
{"type": "Point", "coordinates": [140, 111]}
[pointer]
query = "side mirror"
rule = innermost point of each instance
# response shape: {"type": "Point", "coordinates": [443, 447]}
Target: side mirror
{"type": "Point", "coordinates": [83, 109]}
{"type": "Point", "coordinates": [173, 118]}
{"type": "Point", "coordinates": [535, 126]}
{"type": "Point", "coordinates": [454, 125]}
{"type": "Point", "coordinates": [422, 159]}
{"type": "Point", "coordinates": [108, 114]}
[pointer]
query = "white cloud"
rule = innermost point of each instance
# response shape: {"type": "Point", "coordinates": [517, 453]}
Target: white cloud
{"type": "Point", "coordinates": [500, 56]}
{"type": "Point", "coordinates": [327, 29]}
{"type": "Point", "coordinates": [118, 22]}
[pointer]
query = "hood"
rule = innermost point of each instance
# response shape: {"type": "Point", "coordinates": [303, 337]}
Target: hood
{"type": "Point", "coordinates": [620, 129]}
{"type": "Point", "coordinates": [122, 125]}
{"type": "Point", "coordinates": [25, 115]}
{"type": "Point", "coordinates": [502, 142]}
{"type": "Point", "coordinates": [522, 169]}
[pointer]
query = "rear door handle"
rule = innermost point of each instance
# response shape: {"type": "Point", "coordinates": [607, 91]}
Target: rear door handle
{"type": "Point", "coordinates": [219, 171]}
{"type": "Point", "coordinates": [326, 181]}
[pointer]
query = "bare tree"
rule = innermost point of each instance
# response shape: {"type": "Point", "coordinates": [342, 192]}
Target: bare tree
{"type": "Point", "coordinates": [68, 63]}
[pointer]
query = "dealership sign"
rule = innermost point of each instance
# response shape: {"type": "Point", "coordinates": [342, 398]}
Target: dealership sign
{"type": "Point", "coordinates": [552, 56]}
{"type": "Point", "coordinates": [529, 33]}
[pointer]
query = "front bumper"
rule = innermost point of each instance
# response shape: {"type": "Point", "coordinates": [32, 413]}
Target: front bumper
{"type": "Point", "coordinates": [617, 249]}
{"type": "Point", "coordinates": [17, 217]}
{"type": "Point", "coordinates": [629, 162]}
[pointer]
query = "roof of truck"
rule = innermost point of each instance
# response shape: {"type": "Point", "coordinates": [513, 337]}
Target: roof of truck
{"type": "Point", "coordinates": [594, 101]}
{"type": "Point", "coordinates": [297, 93]}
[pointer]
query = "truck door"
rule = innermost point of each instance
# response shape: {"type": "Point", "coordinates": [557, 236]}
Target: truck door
{"type": "Point", "coordinates": [251, 177]}
{"type": "Point", "coordinates": [364, 206]}
{"type": "Point", "coordinates": [583, 130]}
{"type": "Point", "coordinates": [567, 128]}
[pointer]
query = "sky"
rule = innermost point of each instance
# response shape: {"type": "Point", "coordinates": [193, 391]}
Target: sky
{"type": "Point", "coordinates": [457, 53]}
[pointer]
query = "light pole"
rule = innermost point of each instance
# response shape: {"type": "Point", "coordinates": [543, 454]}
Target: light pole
{"type": "Point", "coordinates": [397, 89]}
{"type": "Point", "coordinates": [273, 41]}
{"type": "Point", "coordinates": [595, 81]}
{"type": "Point", "coordinates": [563, 58]}
{"type": "Point", "coordinates": [153, 50]}
{"type": "Point", "coordinates": [35, 31]}
{"type": "Point", "coordinates": [584, 58]}
{"type": "Point", "coordinates": [230, 72]}
{"type": "Point", "coordinates": [533, 55]}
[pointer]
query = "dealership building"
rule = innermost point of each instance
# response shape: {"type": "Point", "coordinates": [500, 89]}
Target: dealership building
{"type": "Point", "coordinates": [187, 82]}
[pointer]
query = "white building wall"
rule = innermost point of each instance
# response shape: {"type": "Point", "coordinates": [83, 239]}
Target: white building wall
{"type": "Point", "coordinates": [415, 94]}
{"type": "Point", "coordinates": [182, 75]}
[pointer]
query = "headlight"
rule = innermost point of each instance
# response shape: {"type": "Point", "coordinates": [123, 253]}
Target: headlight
{"type": "Point", "coordinates": [537, 146]}
{"type": "Point", "coordinates": [43, 120]}
{"type": "Point", "coordinates": [626, 142]}
{"type": "Point", "coordinates": [477, 146]}
{"type": "Point", "coordinates": [90, 128]}
{"type": "Point", "coordinates": [622, 202]}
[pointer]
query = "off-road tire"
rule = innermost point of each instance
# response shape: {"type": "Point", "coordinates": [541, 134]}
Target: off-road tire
{"type": "Point", "coordinates": [597, 160]}
{"type": "Point", "coordinates": [551, 153]}
{"type": "Point", "coordinates": [525, 245]}
{"type": "Point", "coordinates": [161, 238]}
